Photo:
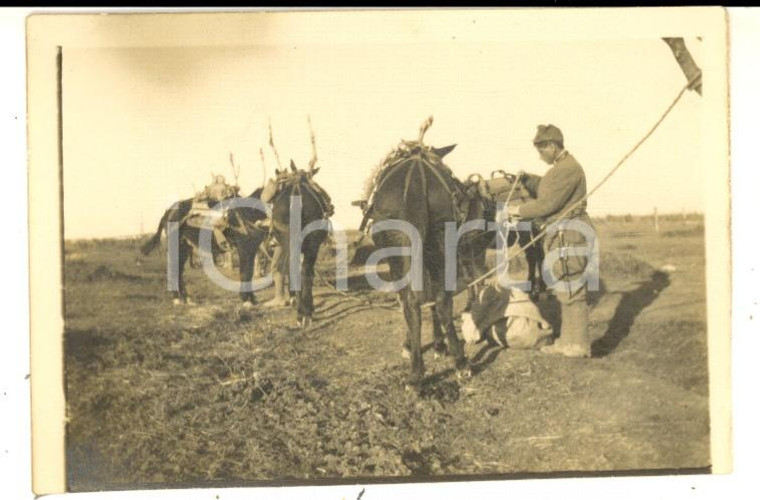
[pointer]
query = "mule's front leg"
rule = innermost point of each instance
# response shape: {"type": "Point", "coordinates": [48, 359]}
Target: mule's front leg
{"type": "Point", "coordinates": [477, 269]}
{"type": "Point", "coordinates": [534, 256]}
{"type": "Point", "coordinates": [179, 294]}
{"type": "Point", "coordinates": [305, 298]}
{"type": "Point", "coordinates": [247, 256]}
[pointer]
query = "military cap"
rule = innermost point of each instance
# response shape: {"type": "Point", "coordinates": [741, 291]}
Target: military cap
{"type": "Point", "coordinates": [546, 133]}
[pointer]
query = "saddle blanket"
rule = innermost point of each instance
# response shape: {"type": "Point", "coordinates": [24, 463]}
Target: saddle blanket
{"type": "Point", "coordinates": [499, 189]}
{"type": "Point", "coordinates": [200, 211]}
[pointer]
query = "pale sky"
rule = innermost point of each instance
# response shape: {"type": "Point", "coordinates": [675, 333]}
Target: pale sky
{"type": "Point", "coordinates": [144, 127]}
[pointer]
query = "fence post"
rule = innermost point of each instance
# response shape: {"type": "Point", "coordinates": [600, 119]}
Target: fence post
{"type": "Point", "coordinates": [656, 221]}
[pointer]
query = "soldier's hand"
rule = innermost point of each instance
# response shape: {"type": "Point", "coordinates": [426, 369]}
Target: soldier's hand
{"type": "Point", "coordinates": [521, 175]}
{"type": "Point", "coordinates": [513, 211]}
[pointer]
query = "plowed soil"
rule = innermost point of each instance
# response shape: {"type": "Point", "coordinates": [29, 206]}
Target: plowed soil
{"type": "Point", "coordinates": [212, 394]}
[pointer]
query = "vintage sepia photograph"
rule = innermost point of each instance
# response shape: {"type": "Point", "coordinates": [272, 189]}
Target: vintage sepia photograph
{"type": "Point", "coordinates": [378, 246]}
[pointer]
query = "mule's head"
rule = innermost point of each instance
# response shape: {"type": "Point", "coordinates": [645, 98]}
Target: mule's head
{"type": "Point", "coordinates": [409, 149]}
{"type": "Point", "coordinates": [481, 205]}
{"type": "Point", "coordinates": [441, 152]}
{"type": "Point", "coordinates": [283, 178]}
{"type": "Point", "coordinates": [301, 174]}
{"type": "Point", "coordinates": [273, 187]}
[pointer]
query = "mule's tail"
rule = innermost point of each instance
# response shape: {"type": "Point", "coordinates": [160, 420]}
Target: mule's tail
{"type": "Point", "coordinates": [154, 240]}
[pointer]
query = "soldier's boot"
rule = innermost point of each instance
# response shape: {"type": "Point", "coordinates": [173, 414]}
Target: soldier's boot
{"type": "Point", "coordinates": [279, 300]}
{"type": "Point", "coordinates": [574, 340]}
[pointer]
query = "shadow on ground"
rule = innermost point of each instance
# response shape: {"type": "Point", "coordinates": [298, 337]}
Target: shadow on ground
{"type": "Point", "coordinates": [631, 304]}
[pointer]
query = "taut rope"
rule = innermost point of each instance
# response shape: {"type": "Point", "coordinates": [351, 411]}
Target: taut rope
{"type": "Point", "coordinates": [598, 185]}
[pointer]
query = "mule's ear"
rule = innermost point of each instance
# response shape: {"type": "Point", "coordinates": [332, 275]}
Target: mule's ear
{"type": "Point", "coordinates": [293, 166]}
{"type": "Point", "coordinates": [441, 152]}
{"type": "Point", "coordinates": [314, 172]}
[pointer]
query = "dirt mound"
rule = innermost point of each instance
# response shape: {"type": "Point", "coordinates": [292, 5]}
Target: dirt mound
{"type": "Point", "coordinates": [103, 273]}
{"type": "Point", "coordinates": [623, 266]}
{"type": "Point", "coordinates": [696, 230]}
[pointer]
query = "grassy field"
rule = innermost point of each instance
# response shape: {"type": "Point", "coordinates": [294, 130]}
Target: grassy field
{"type": "Point", "coordinates": [215, 394]}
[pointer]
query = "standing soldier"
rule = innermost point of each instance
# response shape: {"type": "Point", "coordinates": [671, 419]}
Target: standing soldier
{"type": "Point", "coordinates": [280, 265]}
{"type": "Point", "coordinates": [217, 191]}
{"type": "Point", "coordinates": [563, 185]}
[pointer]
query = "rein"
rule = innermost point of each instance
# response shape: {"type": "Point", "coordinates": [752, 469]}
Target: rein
{"type": "Point", "coordinates": [508, 223]}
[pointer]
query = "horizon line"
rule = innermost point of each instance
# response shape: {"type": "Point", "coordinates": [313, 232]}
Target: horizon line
{"type": "Point", "coordinates": [639, 215]}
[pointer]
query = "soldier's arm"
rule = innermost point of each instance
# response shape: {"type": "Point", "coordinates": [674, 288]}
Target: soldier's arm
{"type": "Point", "coordinates": [531, 181]}
{"type": "Point", "coordinates": [556, 188]}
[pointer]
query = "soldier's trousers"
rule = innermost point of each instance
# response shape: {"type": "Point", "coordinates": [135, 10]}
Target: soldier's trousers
{"type": "Point", "coordinates": [568, 279]}
{"type": "Point", "coordinates": [281, 259]}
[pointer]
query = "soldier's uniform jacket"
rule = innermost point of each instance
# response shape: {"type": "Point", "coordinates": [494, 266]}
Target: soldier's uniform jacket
{"type": "Point", "coordinates": [559, 189]}
{"type": "Point", "coordinates": [562, 186]}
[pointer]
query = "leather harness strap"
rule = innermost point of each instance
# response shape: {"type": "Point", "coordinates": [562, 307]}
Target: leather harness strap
{"type": "Point", "coordinates": [422, 164]}
{"type": "Point", "coordinates": [297, 188]}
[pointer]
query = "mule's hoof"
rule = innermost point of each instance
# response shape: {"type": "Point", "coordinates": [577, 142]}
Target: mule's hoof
{"type": "Point", "coordinates": [440, 352]}
{"type": "Point", "coordinates": [247, 305]}
{"type": "Point", "coordinates": [413, 383]}
{"type": "Point", "coordinates": [406, 353]}
{"type": "Point", "coordinates": [410, 387]}
{"type": "Point", "coordinates": [304, 322]}
{"type": "Point", "coordinates": [464, 373]}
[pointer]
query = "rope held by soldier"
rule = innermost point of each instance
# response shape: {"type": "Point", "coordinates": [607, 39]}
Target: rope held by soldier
{"type": "Point", "coordinates": [592, 191]}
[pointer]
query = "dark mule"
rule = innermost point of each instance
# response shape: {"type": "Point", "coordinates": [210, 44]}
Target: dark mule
{"type": "Point", "coordinates": [484, 204]}
{"type": "Point", "coordinates": [315, 206]}
{"type": "Point", "coordinates": [241, 231]}
{"type": "Point", "coordinates": [416, 188]}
